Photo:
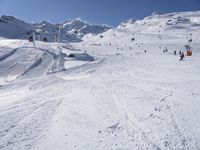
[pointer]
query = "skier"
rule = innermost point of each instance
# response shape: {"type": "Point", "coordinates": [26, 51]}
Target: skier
{"type": "Point", "coordinates": [180, 52]}
{"type": "Point", "coordinates": [182, 56]}
{"type": "Point", "coordinates": [174, 52]}
{"type": "Point", "coordinates": [166, 50]}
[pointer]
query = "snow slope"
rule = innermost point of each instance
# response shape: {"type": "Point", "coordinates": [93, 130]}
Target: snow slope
{"type": "Point", "coordinates": [111, 95]}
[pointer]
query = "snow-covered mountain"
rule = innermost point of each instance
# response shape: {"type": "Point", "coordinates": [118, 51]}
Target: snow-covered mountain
{"type": "Point", "coordinates": [179, 20]}
{"type": "Point", "coordinates": [127, 22]}
{"type": "Point", "coordinates": [73, 30]}
{"type": "Point", "coordinates": [11, 27]}
{"type": "Point", "coordinates": [183, 23]}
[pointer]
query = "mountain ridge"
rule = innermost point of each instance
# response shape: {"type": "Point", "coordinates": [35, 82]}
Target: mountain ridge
{"type": "Point", "coordinates": [72, 31]}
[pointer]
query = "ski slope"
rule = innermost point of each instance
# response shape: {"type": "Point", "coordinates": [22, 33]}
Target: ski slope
{"type": "Point", "coordinates": [111, 95]}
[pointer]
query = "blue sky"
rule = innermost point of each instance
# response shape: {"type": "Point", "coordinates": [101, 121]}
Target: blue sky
{"type": "Point", "coordinates": [110, 12]}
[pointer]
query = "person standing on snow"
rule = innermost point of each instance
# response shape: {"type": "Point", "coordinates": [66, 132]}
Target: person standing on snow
{"type": "Point", "coordinates": [182, 56]}
{"type": "Point", "coordinates": [174, 52]}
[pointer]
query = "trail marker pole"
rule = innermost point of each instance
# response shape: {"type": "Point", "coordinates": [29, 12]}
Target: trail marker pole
{"type": "Point", "coordinates": [59, 27]}
{"type": "Point", "coordinates": [34, 38]}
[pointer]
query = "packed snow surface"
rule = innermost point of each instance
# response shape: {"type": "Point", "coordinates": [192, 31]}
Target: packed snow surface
{"type": "Point", "coordinates": [104, 93]}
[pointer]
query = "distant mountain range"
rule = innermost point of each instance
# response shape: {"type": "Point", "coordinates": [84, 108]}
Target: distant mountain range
{"type": "Point", "coordinates": [76, 30]}
{"type": "Point", "coordinates": [72, 30]}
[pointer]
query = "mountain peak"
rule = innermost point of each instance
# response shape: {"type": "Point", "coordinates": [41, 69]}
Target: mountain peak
{"type": "Point", "coordinates": [127, 22]}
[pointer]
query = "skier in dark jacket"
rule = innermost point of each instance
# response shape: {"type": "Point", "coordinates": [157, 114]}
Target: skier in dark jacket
{"type": "Point", "coordinates": [174, 52]}
{"type": "Point", "coordinates": [182, 56]}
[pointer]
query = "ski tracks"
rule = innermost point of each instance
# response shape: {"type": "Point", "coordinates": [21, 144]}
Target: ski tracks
{"type": "Point", "coordinates": [142, 131]}
{"type": "Point", "coordinates": [23, 123]}
{"type": "Point", "coordinates": [135, 133]}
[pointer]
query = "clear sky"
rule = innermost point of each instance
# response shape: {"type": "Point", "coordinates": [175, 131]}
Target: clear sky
{"type": "Point", "coordinates": [111, 12]}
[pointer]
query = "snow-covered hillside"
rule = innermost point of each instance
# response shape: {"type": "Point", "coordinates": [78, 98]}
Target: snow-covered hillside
{"type": "Point", "coordinates": [106, 92]}
{"type": "Point", "coordinates": [73, 30]}
{"type": "Point", "coordinates": [163, 30]}
{"type": "Point", "coordinates": [10, 27]}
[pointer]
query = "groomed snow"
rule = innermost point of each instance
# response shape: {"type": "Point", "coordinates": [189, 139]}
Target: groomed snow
{"type": "Point", "coordinates": [124, 99]}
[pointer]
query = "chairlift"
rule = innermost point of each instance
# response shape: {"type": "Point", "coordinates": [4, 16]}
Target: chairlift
{"type": "Point", "coordinates": [31, 39]}
{"type": "Point", "coordinates": [45, 39]}
{"type": "Point", "coordinates": [190, 40]}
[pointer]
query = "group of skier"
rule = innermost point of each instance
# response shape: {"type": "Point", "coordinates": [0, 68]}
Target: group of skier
{"type": "Point", "coordinates": [181, 54]}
